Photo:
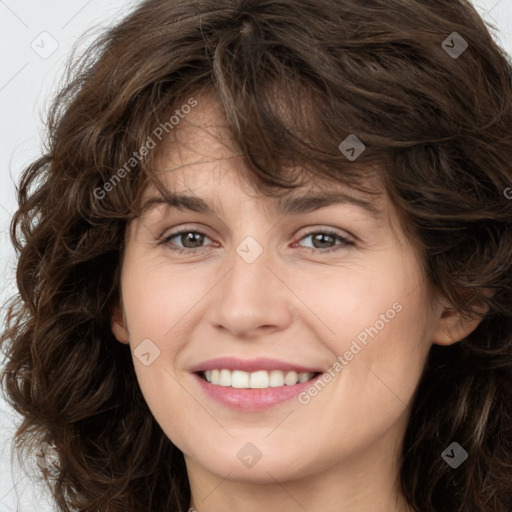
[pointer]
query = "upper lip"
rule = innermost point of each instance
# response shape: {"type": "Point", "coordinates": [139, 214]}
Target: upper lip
{"type": "Point", "coordinates": [251, 365]}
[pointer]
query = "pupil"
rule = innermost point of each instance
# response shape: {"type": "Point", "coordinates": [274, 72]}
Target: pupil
{"type": "Point", "coordinates": [193, 237]}
{"type": "Point", "coordinates": [320, 237]}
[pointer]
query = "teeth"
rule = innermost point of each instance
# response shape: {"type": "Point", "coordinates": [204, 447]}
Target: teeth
{"type": "Point", "coordinates": [276, 378]}
{"type": "Point", "coordinates": [225, 378]}
{"type": "Point", "coordinates": [255, 380]}
{"type": "Point", "coordinates": [291, 378]}
{"type": "Point", "coordinates": [238, 379]}
{"type": "Point", "coordinates": [303, 377]}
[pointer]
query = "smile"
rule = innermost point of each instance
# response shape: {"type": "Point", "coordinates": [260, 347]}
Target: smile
{"type": "Point", "coordinates": [261, 379]}
{"type": "Point", "coordinates": [252, 385]}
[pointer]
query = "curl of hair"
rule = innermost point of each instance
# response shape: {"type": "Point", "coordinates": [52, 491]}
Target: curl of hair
{"type": "Point", "coordinates": [438, 133]}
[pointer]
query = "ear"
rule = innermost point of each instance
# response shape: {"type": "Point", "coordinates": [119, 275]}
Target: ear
{"type": "Point", "coordinates": [118, 325]}
{"type": "Point", "coordinates": [453, 326]}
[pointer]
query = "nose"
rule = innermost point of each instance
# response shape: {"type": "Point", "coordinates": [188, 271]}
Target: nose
{"type": "Point", "coordinates": [252, 299]}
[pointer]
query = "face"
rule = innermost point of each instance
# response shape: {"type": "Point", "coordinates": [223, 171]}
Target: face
{"type": "Point", "coordinates": [311, 324]}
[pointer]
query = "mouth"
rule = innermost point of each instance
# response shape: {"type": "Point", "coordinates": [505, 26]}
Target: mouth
{"type": "Point", "coordinates": [253, 391]}
{"type": "Point", "coordinates": [251, 385]}
{"type": "Point", "coordinates": [261, 379]}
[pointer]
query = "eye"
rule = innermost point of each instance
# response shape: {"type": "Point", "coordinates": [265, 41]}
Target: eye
{"type": "Point", "coordinates": [190, 238]}
{"type": "Point", "coordinates": [193, 239]}
{"type": "Point", "coordinates": [324, 239]}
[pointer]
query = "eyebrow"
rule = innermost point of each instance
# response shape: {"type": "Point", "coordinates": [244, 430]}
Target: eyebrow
{"type": "Point", "coordinates": [293, 205]}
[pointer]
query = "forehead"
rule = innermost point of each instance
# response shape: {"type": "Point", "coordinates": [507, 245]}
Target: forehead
{"type": "Point", "coordinates": [197, 167]}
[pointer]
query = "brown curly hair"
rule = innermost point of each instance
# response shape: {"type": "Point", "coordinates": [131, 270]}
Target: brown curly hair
{"type": "Point", "coordinates": [294, 79]}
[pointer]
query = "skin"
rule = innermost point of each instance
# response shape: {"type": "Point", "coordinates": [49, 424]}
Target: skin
{"type": "Point", "coordinates": [339, 452]}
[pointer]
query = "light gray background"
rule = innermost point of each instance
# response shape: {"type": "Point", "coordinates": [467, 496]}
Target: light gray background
{"type": "Point", "coordinates": [35, 40]}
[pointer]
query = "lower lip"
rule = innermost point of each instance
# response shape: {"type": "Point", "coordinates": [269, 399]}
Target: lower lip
{"type": "Point", "coordinates": [252, 399]}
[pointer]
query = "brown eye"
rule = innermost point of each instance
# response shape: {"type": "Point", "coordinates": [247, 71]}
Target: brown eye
{"type": "Point", "coordinates": [189, 239]}
{"type": "Point", "coordinates": [325, 241]}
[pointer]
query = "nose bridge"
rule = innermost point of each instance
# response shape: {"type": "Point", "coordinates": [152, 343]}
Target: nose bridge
{"type": "Point", "coordinates": [248, 279]}
{"type": "Point", "coordinates": [251, 252]}
{"type": "Point", "coordinates": [249, 297]}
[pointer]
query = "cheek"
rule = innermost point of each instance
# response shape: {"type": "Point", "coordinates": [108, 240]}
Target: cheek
{"type": "Point", "coordinates": [375, 319]}
{"type": "Point", "coordinates": [379, 300]}
{"type": "Point", "coordinates": [158, 300]}
{"type": "Point", "coordinates": [153, 310]}
{"type": "Point", "coordinates": [383, 352]}
{"type": "Point", "coordinates": [373, 382]}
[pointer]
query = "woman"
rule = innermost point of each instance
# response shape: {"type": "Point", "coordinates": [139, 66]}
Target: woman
{"type": "Point", "coordinates": [265, 263]}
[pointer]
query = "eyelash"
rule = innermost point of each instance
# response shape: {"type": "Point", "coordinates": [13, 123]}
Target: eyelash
{"type": "Point", "coordinates": [345, 241]}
